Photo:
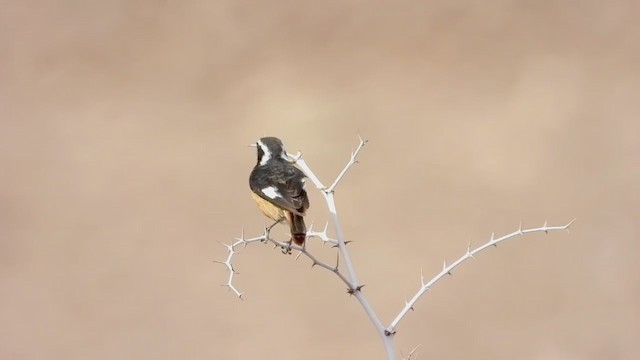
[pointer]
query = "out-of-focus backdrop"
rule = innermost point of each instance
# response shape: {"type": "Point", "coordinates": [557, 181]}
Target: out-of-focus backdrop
{"type": "Point", "coordinates": [123, 133]}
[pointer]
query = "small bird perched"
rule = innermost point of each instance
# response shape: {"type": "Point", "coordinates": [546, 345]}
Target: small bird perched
{"type": "Point", "coordinates": [278, 187]}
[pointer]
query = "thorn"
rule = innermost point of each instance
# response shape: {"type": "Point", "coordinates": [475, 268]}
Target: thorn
{"type": "Point", "coordinates": [298, 256]}
{"type": "Point", "coordinates": [337, 259]}
{"type": "Point", "coordinates": [492, 235]}
{"type": "Point", "coordinates": [363, 142]}
{"type": "Point", "coordinates": [314, 264]}
{"type": "Point", "coordinates": [421, 277]}
{"type": "Point", "coordinates": [353, 291]}
{"type": "Point", "coordinates": [520, 228]}
{"type": "Point", "coordinates": [566, 227]}
{"type": "Point", "coordinates": [444, 264]}
{"type": "Point", "coordinates": [406, 303]}
{"type": "Point", "coordinates": [345, 243]}
{"type": "Point", "coordinates": [412, 352]}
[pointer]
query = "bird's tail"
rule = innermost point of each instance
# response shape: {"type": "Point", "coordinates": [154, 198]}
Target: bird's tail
{"type": "Point", "coordinates": [298, 229]}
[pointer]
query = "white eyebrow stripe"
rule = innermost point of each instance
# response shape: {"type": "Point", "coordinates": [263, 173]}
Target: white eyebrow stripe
{"type": "Point", "coordinates": [271, 192]}
{"type": "Point", "coordinates": [265, 150]}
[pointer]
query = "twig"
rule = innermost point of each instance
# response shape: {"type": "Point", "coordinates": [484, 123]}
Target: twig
{"type": "Point", "coordinates": [322, 235]}
{"type": "Point", "coordinates": [231, 250]}
{"type": "Point", "coordinates": [352, 161]}
{"type": "Point", "coordinates": [447, 269]}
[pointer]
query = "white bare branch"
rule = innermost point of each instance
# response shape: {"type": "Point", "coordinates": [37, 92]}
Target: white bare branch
{"type": "Point", "coordinates": [352, 161]}
{"type": "Point", "coordinates": [228, 262]}
{"type": "Point", "coordinates": [265, 237]}
{"type": "Point", "coordinates": [447, 269]}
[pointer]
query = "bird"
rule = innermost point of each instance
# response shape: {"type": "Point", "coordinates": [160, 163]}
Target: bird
{"type": "Point", "coordinates": [277, 186]}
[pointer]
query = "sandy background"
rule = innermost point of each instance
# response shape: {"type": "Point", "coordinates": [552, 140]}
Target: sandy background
{"type": "Point", "coordinates": [123, 127]}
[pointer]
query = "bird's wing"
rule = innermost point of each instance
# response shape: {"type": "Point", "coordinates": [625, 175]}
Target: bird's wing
{"type": "Point", "coordinates": [280, 189]}
{"type": "Point", "coordinates": [295, 190]}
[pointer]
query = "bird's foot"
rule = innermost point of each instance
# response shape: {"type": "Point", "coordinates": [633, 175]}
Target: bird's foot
{"type": "Point", "coordinates": [267, 231]}
{"type": "Point", "coordinates": [286, 249]}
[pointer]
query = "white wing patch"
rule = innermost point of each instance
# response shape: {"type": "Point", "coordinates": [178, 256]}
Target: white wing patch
{"type": "Point", "coordinates": [271, 192]}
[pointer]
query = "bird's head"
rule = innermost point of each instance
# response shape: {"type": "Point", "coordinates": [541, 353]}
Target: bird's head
{"type": "Point", "coordinates": [270, 148]}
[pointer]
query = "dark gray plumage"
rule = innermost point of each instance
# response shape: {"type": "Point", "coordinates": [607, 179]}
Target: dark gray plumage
{"type": "Point", "coordinates": [279, 187]}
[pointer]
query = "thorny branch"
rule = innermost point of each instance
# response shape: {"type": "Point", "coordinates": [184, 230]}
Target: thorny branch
{"type": "Point", "coordinates": [266, 238]}
{"type": "Point", "coordinates": [353, 286]}
{"type": "Point", "coordinates": [447, 269]}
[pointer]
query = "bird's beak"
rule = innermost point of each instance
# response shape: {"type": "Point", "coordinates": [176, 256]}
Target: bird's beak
{"type": "Point", "coordinates": [252, 145]}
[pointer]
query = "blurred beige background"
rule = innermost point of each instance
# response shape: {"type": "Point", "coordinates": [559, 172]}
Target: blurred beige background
{"type": "Point", "coordinates": [123, 128]}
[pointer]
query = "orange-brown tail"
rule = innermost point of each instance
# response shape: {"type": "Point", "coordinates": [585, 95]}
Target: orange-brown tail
{"type": "Point", "coordinates": [298, 229]}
